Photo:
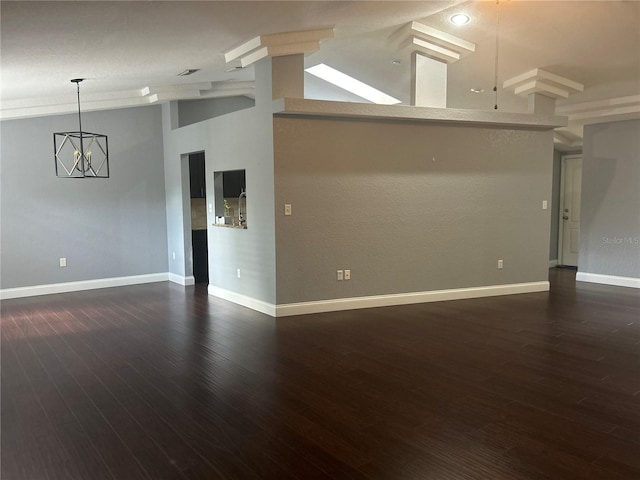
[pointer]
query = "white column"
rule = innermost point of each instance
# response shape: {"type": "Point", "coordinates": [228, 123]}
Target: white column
{"type": "Point", "coordinates": [428, 81]}
{"type": "Point", "coordinates": [541, 104]}
{"type": "Point", "coordinates": [287, 75]}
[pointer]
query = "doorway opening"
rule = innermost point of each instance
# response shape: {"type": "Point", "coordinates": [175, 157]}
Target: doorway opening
{"type": "Point", "coordinates": [569, 218]}
{"type": "Point", "coordinates": [198, 189]}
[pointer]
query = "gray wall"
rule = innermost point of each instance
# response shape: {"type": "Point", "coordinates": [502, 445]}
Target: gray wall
{"type": "Point", "coordinates": [610, 206]}
{"type": "Point", "coordinates": [194, 111]}
{"type": "Point", "coordinates": [367, 196]}
{"type": "Point", "coordinates": [240, 140]}
{"type": "Point", "coordinates": [104, 227]}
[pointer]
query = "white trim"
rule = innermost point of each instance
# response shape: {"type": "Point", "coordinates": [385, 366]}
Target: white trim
{"type": "Point", "coordinates": [407, 298]}
{"type": "Point", "coordinates": [249, 302]}
{"type": "Point", "coordinates": [553, 263]}
{"type": "Point", "coordinates": [52, 288]}
{"type": "Point", "coordinates": [179, 279]}
{"type": "Point", "coordinates": [608, 279]}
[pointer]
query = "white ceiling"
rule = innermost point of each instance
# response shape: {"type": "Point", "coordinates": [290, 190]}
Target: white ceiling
{"type": "Point", "coordinates": [123, 47]}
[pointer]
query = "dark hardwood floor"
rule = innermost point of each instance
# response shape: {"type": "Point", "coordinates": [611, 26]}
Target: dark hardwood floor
{"type": "Point", "coordinates": [161, 381]}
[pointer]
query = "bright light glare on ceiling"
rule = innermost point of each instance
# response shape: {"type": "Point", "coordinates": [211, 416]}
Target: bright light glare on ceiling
{"type": "Point", "coordinates": [460, 19]}
{"type": "Point", "coordinates": [352, 85]}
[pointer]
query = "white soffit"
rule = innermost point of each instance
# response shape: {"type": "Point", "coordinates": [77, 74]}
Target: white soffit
{"type": "Point", "coordinates": [563, 137]}
{"type": "Point", "coordinates": [610, 110]}
{"type": "Point", "coordinates": [24, 108]}
{"type": "Point", "coordinates": [432, 43]}
{"type": "Point", "coordinates": [277, 45]}
{"type": "Point", "coordinates": [588, 113]}
{"type": "Point", "coordinates": [541, 81]}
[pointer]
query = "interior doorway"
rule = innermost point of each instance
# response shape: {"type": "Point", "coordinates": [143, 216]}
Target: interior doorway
{"type": "Point", "coordinates": [198, 189]}
{"type": "Point", "coordinates": [569, 218]}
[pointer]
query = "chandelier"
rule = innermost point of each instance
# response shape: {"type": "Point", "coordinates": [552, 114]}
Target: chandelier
{"type": "Point", "coordinates": [81, 154]}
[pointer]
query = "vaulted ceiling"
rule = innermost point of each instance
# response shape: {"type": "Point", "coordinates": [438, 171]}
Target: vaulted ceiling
{"type": "Point", "coordinates": [131, 52]}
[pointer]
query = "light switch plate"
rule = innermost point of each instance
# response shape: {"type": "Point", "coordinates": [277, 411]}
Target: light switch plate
{"type": "Point", "coordinates": [545, 205]}
{"type": "Point", "coordinates": [287, 209]}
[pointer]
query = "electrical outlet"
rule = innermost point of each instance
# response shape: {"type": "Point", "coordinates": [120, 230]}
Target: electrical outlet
{"type": "Point", "coordinates": [500, 264]}
{"type": "Point", "coordinates": [287, 209]}
{"type": "Point", "coordinates": [347, 274]}
{"type": "Point", "coordinates": [238, 272]}
{"type": "Point", "coordinates": [340, 275]}
{"type": "Point", "coordinates": [174, 255]}
{"type": "Point", "coordinates": [211, 208]}
{"type": "Point", "coordinates": [63, 262]}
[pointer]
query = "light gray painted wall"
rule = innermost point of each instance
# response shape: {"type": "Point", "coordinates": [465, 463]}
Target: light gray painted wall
{"type": "Point", "coordinates": [369, 197]}
{"type": "Point", "coordinates": [104, 227]}
{"type": "Point", "coordinates": [239, 140]}
{"type": "Point", "coordinates": [194, 111]}
{"type": "Point", "coordinates": [610, 206]}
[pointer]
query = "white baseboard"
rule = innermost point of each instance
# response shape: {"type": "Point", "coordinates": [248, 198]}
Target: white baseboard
{"type": "Point", "coordinates": [553, 263]}
{"type": "Point", "coordinates": [186, 281]}
{"type": "Point", "coordinates": [608, 279]}
{"type": "Point", "coordinates": [285, 310]}
{"type": "Point", "coordinates": [52, 288]}
{"type": "Point", "coordinates": [249, 302]}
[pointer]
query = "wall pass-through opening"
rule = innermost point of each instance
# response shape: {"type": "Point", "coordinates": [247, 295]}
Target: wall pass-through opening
{"type": "Point", "coordinates": [230, 191]}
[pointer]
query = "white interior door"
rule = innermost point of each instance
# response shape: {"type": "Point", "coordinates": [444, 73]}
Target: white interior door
{"type": "Point", "coordinates": [571, 186]}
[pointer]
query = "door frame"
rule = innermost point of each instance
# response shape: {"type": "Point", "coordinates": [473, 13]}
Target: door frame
{"type": "Point", "coordinates": [563, 159]}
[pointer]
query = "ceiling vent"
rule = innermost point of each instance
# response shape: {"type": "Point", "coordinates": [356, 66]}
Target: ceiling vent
{"type": "Point", "coordinates": [189, 71]}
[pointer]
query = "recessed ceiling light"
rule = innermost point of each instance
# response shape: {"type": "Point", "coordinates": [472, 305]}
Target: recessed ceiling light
{"type": "Point", "coordinates": [460, 19]}
{"type": "Point", "coordinates": [396, 62]}
{"type": "Point", "coordinates": [477, 90]}
{"type": "Point", "coordinates": [351, 84]}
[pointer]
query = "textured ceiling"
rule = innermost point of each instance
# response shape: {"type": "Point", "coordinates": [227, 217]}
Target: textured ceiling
{"type": "Point", "coordinates": [122, 47]}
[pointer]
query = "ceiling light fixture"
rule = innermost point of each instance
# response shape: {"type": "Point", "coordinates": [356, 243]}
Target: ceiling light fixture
{"type": "Point", "coordinates": [477, 90]}
{"type": "Point", "coordinates": [73, 154]}
{"type": "Point", "coordinates": [351, 84]}
{"type": "Point", "coordinates": [460, 19]}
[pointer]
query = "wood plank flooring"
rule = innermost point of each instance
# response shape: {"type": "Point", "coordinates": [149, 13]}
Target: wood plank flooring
{"type": "Point", "coordinates": [160, 381]}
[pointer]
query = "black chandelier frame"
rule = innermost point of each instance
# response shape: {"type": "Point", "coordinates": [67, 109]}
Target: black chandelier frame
{"type": "Point", "coordinates": [81, 154]}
